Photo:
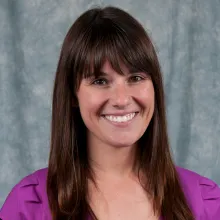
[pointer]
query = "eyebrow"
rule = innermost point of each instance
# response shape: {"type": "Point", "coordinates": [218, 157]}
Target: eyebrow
{"type": "Point", "coordinates": [102, 73]}
{"type": "Point", "coordinates": [97, 74]}
{"type": "Point", "coordinates": [131, 70]}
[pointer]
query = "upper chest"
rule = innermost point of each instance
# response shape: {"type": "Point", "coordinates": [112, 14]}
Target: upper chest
{"type": "Point", "coordinates": [121, 202]}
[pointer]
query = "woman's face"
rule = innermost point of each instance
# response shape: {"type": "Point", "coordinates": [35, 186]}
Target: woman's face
{"type": "Point", "coordinates": [116, 109]}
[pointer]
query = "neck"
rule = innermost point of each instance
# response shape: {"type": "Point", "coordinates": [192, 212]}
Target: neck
{"type": "Point", "coordinates": [111, 162]}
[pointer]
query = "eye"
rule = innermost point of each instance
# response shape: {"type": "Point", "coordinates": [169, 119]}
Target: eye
{"type": "Point", "coordinates": [100, 82]}
{"type": "Point", "coordinates": [134, 79]}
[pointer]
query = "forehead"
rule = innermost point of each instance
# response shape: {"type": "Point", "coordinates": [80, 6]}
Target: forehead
{"type": "Point", "coordinates": [107, 68]}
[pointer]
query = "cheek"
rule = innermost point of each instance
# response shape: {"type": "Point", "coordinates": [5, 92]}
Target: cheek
{"type": "Point", "coordinates": [146, 95]}
{"type": "Point", "coordinates": [89, 103]}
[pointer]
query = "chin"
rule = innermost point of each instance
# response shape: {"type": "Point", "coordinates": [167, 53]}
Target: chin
{"type": "Point", "coordinates": [125, 140]}
{"type": "Point", "coordinates": [123, 143]}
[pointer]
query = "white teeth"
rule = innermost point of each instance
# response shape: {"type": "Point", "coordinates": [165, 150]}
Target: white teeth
{"type": "Point", "coordinates": [123, 118]}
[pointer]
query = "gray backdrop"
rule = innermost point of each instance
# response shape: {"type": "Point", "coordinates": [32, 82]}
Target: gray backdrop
{"type": "Point", "coordinates": [187, 37]}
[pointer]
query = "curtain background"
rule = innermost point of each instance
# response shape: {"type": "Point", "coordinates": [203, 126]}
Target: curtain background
{"type": "Point", "coordinates": [187, 37]}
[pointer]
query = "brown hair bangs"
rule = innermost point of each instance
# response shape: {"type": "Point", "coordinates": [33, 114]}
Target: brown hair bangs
{"type": "Point", "coordinates": [109, 40]}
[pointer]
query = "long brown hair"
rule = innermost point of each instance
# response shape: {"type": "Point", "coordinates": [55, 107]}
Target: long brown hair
{"type": "Point", "coordinates": [98, 35]}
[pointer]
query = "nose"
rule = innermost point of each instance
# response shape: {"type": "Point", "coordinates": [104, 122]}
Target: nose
{"type": "Point", "coordinates": [120, 97]}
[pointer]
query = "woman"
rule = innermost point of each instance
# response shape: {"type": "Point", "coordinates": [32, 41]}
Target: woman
{"type": "Point", "coordinates": [110, 156]}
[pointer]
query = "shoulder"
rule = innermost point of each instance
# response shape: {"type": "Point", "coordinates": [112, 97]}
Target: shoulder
{"type": "Point", "coordinates": [28, 198]}
{"type": "Point", "coordinates": [202, 194]}
{"type": "Point", "coordinates": [188, 177]}
{"type": "Point", "coordinates": [37, 178]}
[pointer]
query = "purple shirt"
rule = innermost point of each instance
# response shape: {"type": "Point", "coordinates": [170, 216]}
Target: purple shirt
{"type": "Point", "coordinates": [28, 199]}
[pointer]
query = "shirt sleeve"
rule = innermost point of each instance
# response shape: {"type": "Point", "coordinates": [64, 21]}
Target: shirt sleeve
{"type": "Point", "coordinates": [210, 192]}
{"type": "Point", "coordinates": [23, 202]}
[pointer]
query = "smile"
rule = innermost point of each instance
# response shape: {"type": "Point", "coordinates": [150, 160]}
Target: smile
{"type": "Point", "coordinates": [120, 119]}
